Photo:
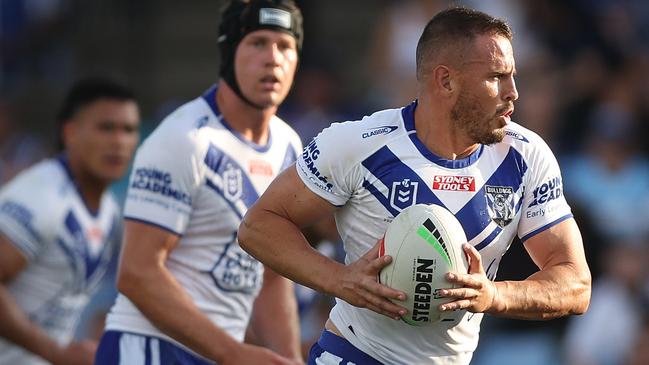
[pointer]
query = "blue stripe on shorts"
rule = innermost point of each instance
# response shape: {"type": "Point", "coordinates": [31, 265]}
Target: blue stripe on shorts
{"type": "Point", "coordinates": [124, 348]}
{"type": "Point", "coordinates": [335, 350]}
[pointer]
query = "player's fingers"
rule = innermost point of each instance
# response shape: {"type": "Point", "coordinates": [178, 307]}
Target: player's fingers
{"type": "Point", "coordinates": [385, 305]}
{"type": "Point", "coordinates": [455, 305]}
{"type": "Point", "coordinates": [460, 293]}
{"type": "Point", "coordinates": [278, 360]}
{"type": "Point", "coordinates": [377, 264]}
{"type": "Point", "coordinates": [475, 259]}
{"type": "Point", "coordinates": [464, 280]}
{"type": "Point", "coordinates": [386, 313]}
{"type": "Point", "coordinates": [374, 251]}
{"type": "Point", "coordinates": [383, 291]}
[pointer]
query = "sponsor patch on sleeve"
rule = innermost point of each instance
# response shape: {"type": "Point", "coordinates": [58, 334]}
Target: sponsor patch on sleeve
{"type": "Point", "coordinates": [158, 182]}
{"type": "Point", "coordinates": [548, 191]}
{"type": "Point", "coordinates": [310, 156]}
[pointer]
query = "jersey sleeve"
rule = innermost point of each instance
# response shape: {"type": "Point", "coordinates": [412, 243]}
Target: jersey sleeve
{"type": "Point", "coordinates": [325, 164]}
{"type": "Point", "coordinates": [544, 204]}
{"type": "Point", "coordinates": [165, 177]}
{"type": "Point", "coordinates": [22, 220]}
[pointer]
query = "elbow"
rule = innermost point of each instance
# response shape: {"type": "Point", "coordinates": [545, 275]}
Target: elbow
{"type": "Point", "coordinates": [244, 235]}
{"type": "Point", "coordinates": [128, 280]}
{"type": "Point", "coordinates": [582, 295]}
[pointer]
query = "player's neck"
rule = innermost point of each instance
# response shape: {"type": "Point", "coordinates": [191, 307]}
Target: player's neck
{"type": "Point", "coordinates": [90, 186]}
{"type": "Point", "coordinates": [439, 134]}
{"type": "Point", "coordinates": [251, 122]}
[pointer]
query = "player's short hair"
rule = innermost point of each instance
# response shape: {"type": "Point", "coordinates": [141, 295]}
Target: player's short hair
{"type": "Point", "coordinates": [456, 27]}
{"type": "Point", "coordinates": [87, 91]}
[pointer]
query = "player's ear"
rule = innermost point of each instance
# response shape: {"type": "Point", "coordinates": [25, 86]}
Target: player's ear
{"type": "Point", "coordinates": [443, 79]}
{"type": "Point", "coordinates": [68, 132]}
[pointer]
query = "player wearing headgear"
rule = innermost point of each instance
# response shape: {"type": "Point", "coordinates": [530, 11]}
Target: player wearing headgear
{"type": "Point", "coordinates": [187, 290]}
{"type": "Point", "coordinates": [455, 146]}
{"type": "Point", "coordinates": [59, 227]}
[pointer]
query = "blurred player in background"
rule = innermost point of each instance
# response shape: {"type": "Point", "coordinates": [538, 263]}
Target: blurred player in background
{"type": "Point", "coordinates": [504, 181]}
{"type": "Point", "coordinates": [187, 290]}
{"type": "Point", "coordinates": [59, 227]}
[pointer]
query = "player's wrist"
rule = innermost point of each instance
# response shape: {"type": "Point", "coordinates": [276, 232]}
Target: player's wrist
{"type": "Point", "coordinates": [43, 346]}
{"type": "Point", "coordinates": [227, 349]}
{"type": "Point", "coordinates": [497, 305]}
{"type": "Point", "coordinates": [54, 354]}
{"type": "Point", "coordinates": [332, 282]}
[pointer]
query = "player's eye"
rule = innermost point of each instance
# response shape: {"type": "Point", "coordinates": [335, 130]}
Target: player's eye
{"type": "Point", "coordinates": [258, 42]}
{"type": "Point", "coordinates": [106, 126]}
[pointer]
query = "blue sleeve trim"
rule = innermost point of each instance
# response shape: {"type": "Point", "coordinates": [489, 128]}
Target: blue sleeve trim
{"type": "Point", "coordinates": [549, 225]}
{"type": "Point", "coordinates": [153, 224]}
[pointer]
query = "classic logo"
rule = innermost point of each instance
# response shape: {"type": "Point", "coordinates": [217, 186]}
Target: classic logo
{"type": "Point", "coordinates": [515, 135]}
{"type": "Point", "coordinates": [379, 130]}
{"type": "Point", "coordinates": [548, 191]}
{"type": "Point", "coordinates": [403, 194]}
{"type": "Point", "coordinates": [454, 183]}
{"type": "Point", "coordinates": [500, 202]}
{"type": "Point", "coordinates": [233, 182]}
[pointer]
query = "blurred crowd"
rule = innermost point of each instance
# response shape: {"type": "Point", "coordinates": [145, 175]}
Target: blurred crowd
{"type": "Point", "coordinates": [583, 80]}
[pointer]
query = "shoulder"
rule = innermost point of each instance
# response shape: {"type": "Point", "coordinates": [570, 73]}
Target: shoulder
{"type": "Point", "coordinates": [39, 195]}
{"type": "Point", "coordinates": [353, 139]}
{"type": "Point", "coordinates": [279, 128]}
{"type": "Point", "coordinates": [45, 180]}
{"type": "Point", "coordinates": [525, 141]}
{"type": "Point", "coordinates": [180, 132]}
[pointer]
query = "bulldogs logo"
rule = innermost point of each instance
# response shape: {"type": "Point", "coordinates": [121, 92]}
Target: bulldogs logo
{"type": "Point", "coordinates": [236, 271]}
{"type": "Point", "coordinates": [500, 202]}
{"type": "Point", "coordinates": [403, 194]}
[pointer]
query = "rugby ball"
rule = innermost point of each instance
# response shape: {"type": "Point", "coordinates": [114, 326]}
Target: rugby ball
{"type": "Point", "coordinates": [425, 242]}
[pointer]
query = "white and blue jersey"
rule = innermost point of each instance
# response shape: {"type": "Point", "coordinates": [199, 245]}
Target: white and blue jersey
{"type": "Point", "coordinates": [196, 177]}
{"type": "Point", "coordinates": [68, 249]}
{"type": "Point", "coordinates": [374, 168]}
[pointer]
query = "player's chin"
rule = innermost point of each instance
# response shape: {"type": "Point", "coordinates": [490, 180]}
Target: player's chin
{"type": "Point", "coordinates": [272, 100]}
{"type": "Point", "coordinates": [112, 172]}
{"type": "Point", "coordinates": [493, 137]}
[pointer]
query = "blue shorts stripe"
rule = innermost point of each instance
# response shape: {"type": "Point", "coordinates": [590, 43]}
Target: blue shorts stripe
{"type": "Point", "coordinates": [108, 350]}
{"type": "Point", "coordinates": [124, 348]}
{"type": "Point", "coordinates": [341, 348]}
{"type": "Point", "coordinates": [147, 351]}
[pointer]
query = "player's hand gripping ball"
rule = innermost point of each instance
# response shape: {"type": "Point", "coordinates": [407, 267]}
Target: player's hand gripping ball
{"type": "Point", "coordinates": [425, 242]}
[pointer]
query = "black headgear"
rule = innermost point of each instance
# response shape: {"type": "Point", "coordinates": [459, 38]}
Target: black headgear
{"type": "Point", "coordinates": [241, 17]}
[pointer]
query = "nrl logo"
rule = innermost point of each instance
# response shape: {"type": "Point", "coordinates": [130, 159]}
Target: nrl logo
{"type": "Point", "coordinates": [233, 182]}
{"type": "Point", "coordinates": [500, 202]}
{"type": "Point", "coordinates": [403, 194]}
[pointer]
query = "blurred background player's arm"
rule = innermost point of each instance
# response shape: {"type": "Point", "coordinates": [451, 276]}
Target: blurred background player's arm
{"type": "Point", "coordinates": [18, 328]}
{"type": "Point", "coordinates": [145, 280]}
{"type": "Point", "coordinates": [276, 308]}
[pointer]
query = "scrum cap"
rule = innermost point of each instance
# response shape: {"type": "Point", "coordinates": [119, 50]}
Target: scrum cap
{"type": "Point", "coordinates": [241, 17]}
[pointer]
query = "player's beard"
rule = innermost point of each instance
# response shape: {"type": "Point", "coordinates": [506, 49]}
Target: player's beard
{"type": "Point", "coordinates": [468, 115]}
